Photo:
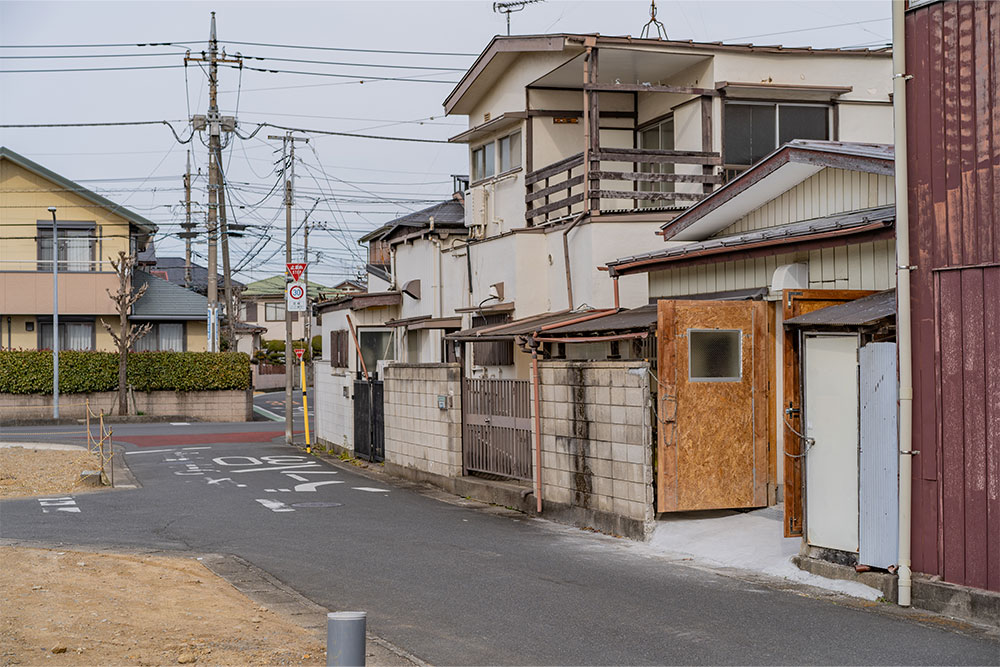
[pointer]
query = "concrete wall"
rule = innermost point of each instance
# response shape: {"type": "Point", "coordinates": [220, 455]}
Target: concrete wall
{"type": "Point", "coordinates": [597, 449]}
{"type": "Point", "coordinates": [213, 406]}
{"type": "Point", "coordinates": [418, 434]}
{"type": "Point", "coordinates": [333, 406]}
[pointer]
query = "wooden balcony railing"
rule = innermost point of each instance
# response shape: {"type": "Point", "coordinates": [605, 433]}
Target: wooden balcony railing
{"type": "Point", "coordinates": [554, 190]}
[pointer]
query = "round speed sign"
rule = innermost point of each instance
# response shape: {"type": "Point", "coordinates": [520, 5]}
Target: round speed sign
{"type": "Point", "coordinates": [296, 292]}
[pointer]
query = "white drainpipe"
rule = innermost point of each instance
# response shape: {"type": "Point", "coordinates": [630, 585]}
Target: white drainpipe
{"type": "Point", "coordinates": [903, 335]}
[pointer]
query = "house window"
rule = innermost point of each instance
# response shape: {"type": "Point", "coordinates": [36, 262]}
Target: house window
{"type": "Point", "coordinates": [509, 149]}
{"type": "Point", "coordinates": [274, 312]}
{"type": "Point", "coordinates": [339, 350]}
{"type": "Point", "coordinates": [376, 345]}
{"type": "Point", "coordinates": [751, 130]}
{"type": "Point", "coordinates": [72, 336]}
{"type": "Point", "coordinates": [659, 136]}
{"type": "Point", "coordinates": [715, 355]}
{"type": "Point", "coordinates": [378, 254]}
{"type": "Point", "coordinates": [163, 337]}
{"type": "Point", "coordinates": [483, 162]}
{"type": "Point", "coordinates": [76, 249]}
{"type": "Point", "coordinates": [493, 353]}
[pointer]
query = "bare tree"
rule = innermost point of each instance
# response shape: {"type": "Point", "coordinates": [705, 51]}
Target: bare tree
{"type": "Point", "coordinates": [127, 335]}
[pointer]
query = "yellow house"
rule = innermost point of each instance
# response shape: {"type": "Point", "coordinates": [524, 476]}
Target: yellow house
{"type": "Point", "coordinates": [91, 230]}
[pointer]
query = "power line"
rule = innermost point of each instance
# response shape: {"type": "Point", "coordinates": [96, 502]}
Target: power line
{"type": "Point", "coordinates": [338, 48]}
{"type": "Point", "coordinates": [89, 69]}
{"type": "Point", "coordinates": [94, 46]}
{"type": "Point", "coordinates": [360, 78]}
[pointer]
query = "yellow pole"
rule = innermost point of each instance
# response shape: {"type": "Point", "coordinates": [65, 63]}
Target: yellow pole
{"type": "Point", "coordinates": [305, 402]}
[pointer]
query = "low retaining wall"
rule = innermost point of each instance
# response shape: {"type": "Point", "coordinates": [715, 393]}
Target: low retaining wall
{"type": "Point", "coordinates": [333, 406]}
{"type": "Point", "coordinates": [418, 433]}
{"type": "Point", "coordinates": [215, 406]}
{"type": "Point", "coordinates": [597, 449]}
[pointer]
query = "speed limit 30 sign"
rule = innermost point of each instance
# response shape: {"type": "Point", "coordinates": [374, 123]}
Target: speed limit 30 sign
{"type": "Point", "coordinates": [296, 296]}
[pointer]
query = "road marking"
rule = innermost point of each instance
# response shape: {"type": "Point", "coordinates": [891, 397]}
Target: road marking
{"type": "Point", "coordinates": [152, 451]}
{"type": "Point", "coordinates": [180, 423]}
{"type": "Point", "coordinates": [309, 472]}
{"type": "Point", "coordinates": [311, 486]}
{"type": "Point", "coordinates": [369, 489]}
{"type": "Point", "coordinates": [63, 504]}
{"type": "Point", "coordinates": [267, 414]}
{"type": "Point", "coordinates": [274, 505]}
{"type": "Point", "coordinates": [270, 468]}
{"type": "Point", "coordinates": [216, 481]}
{"type": "Point", "coordinates": [190, 448]}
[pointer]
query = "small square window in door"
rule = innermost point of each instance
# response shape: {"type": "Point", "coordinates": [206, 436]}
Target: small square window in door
{"type": "Point", "coordinates": [715, 355]}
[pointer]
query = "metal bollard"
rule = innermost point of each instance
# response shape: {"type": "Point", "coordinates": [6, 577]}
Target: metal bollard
{"type": "Point", "coordinates": [345, 638]}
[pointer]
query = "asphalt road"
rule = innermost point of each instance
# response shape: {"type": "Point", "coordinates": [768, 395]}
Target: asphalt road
{"type": "Point", "coordinates": [453, 584]}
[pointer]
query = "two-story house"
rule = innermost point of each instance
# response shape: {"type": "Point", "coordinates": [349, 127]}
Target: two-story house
{"type": "Point", "coordinates": [582, 146]}
{"type": "Point", "coordinates": [91, 231]}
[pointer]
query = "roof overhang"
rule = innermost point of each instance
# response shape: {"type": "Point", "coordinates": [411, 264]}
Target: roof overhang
{"type": "Point", "coordinates": [841, 229]}
{"type": "Point", "coordinates": [361, 301]}
{"type": "Point", "coordinates": [782, 170]}
{"type": "Point", "coordinates": [502, 122]}
{"type": "Point", "coordinates": [863, 312]}
{"type": "Point", "coordinates": [780, 91]}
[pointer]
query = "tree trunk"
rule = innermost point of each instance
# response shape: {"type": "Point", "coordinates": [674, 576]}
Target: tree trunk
{"type": "Point", "coordinates": [122, 366]}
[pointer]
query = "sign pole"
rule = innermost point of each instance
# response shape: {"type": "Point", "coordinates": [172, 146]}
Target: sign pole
{"type": "Point", "coordinates": [305, 401]}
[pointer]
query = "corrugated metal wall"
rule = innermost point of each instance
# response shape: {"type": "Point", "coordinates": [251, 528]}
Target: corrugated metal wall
{"type": "Point", "coordinates": [879, 469]}
{"type": "Point", "coordinates": [953, 135]}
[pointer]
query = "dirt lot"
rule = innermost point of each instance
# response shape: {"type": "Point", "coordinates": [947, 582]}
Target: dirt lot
{"type": "Point", "coordinates": [74, 608]}
{"type": "Point", "coordinates": [65, 607]}
{"type": "Point", "coordinates": [40, 472]}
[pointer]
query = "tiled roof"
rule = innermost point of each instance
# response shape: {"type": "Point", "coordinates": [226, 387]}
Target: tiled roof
{"type": "Point", "coordinates": [275, 287]}
{"type": "Point", "coordinates": [164, 300]}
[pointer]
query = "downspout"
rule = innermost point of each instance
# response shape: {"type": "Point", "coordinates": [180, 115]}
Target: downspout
{"type": "Point", "coordinates": [617, 299]}
{"type": "Point", "coordinates": [569, 273]}
{"type": "Point", "coordinates": [538, 427]}
{"type": "Point", "coordinates": [903, 268]}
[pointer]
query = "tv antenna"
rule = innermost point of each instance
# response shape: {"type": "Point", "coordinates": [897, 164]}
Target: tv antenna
{"type": "Point", "coordinates": [511, 6]}
{"type": "Point", "coordinates": [661, 32]}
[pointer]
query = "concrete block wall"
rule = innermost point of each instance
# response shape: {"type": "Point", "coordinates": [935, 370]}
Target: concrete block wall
{"type": "Point", "coordinates": [597, 450]}
{"type": "Point", "coordinates": [211, 406]}
{"type": "Point", "coordinates": [418, 434]}
{"type": "Point", "coordinates": [333, 405]}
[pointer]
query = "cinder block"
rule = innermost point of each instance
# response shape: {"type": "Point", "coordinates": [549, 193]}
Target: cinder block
{"type": "Point", "coordinates": [618, 415]}
{"type": "Point", "coordinates": [618, 432]}
{"type": "Point", "coordinates": [619, 452]}
{"type": "Point", "coordinates": [620, 470]}
{"type": "Point", "coordinates": [635, 396]}
{"type": "Point", "coordinates": [602, 449]}
{"type": "Point", "coordinates": [637, 434]}
{"type": "Point", "coordinates": [601, 467]}
{"type": "Point", "coordinates": [602, 486]}
{"type": "Point", "coordinates": [600, 412]}
{"type": "Point", "coordinates": [600, 431]}
{"type": "Point", "coordinates": [620, 506]}
{"type": "Point", "coordinates": [633, 415]}
{"type": "Point", "coordinates": [635, 453]}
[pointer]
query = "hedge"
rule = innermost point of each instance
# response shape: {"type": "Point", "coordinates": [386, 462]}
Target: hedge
{"type": "Point", "coordinates": [30, 371]}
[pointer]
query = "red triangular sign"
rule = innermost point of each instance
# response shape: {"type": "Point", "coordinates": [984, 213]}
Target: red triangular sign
{"type": "Point", "coordinates": [299, 352]}
{"type": "Point", "coordinates": [296, 269]}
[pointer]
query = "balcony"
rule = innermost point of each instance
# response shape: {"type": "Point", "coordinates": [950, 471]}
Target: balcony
{"type": "Point", "coordinates": [617, 179]}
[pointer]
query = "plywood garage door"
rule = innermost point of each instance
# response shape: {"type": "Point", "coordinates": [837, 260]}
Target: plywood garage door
{"type": "Point", "coordinates": [712, 450]}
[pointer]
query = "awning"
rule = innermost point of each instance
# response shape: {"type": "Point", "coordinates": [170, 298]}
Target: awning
{"type": "Point", "coordinates": [426, 322]}
{"type": "Point", "coordinates": [860, 312]}
{"type": "Point", "coordinates": [361, 300]}
{"type": "Point", "coordinates": [636, 319]}
{"type": "Point", "coordinates": [523, 327]}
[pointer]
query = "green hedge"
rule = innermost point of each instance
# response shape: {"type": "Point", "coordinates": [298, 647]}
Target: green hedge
{"type": "Point", "coordinates": [30, 372]}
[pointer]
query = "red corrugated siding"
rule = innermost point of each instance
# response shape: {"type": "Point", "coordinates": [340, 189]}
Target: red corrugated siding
{"type": "Point", "coordinates": [953, 135]}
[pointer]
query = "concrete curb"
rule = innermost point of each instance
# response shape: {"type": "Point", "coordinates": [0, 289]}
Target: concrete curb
{"type": "Point", "coordinates": [973, 605]}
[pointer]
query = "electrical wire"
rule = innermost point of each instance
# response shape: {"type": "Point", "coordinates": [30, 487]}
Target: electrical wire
{"type": "Point", "coordinates": [350, 50]}
{"type": "Point", "coordinates": [88, 69]}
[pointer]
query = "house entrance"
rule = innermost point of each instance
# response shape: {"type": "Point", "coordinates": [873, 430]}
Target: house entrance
{"type": "Point", "coordinates": [712, 448]}
{"type": "Point", "coordinates": [496, 427]}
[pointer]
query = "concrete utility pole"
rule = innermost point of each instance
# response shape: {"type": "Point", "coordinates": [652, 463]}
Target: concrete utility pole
{"type": "Point", "coordinates": [213, 122]}
{"type": "Point", "coordinates": [188, 235]}
{"type": "Point", "coordinates": [288, 150]}
{"type": "Point", "coordinates": [227, 278]}
{"type": "Point", "coordinates": [305, 276]}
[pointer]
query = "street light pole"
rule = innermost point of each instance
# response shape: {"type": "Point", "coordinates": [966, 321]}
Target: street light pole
{"type": "Point", "coordinates": [55, 314]}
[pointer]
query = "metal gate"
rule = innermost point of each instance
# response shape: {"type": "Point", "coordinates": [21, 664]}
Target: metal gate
{"type": "Point", "coordinates": [496, 427]}
{"type": "Point", "coordinates": [369, 422]}
{"type": "Point", "coordinates": [879, 494]}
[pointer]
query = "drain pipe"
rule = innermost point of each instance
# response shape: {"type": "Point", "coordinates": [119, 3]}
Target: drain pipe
{"type": "Point", "coordinates": [903, 268]}
{"type": "Point", "coordinates": [538, 427]}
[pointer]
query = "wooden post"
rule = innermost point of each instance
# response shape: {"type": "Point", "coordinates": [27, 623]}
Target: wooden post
{"type": "Point", "coordinates": [706, 137]}
{"type": "Point", "coordinates": [594, 184]}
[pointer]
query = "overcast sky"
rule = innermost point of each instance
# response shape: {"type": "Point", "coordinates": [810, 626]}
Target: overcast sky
{"type": "Point", "coordinates": [358, 183]}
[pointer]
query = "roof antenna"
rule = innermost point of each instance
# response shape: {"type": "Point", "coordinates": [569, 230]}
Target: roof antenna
{"type": "Point", "coordinates": [510, 7]}
{"type": "Point", "coordinates": [661, 32]}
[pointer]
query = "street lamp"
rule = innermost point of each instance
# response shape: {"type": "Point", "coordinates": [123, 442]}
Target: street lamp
{"type": "Point", "coordinates": [55, 314]}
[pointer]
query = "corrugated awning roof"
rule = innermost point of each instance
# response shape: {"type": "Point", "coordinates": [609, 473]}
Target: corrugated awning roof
{"type": "Point", "coordinates": [639, 318]}
{"type": "Point", "coordinates": [840, 222]}
{"type": "Point", "coordinates": [866, 310]}
{"type": "Point", "coordinates": [359, 300]}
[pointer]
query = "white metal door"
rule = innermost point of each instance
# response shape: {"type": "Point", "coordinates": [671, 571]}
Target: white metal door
{"type": "Point", "coordinates": [831, 417]}
{"type": "Point", "coordinates": [879, 456]}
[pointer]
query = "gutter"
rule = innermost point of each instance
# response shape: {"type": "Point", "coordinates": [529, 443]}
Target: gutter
{"type": "Point", "coordinates": [903, 323]}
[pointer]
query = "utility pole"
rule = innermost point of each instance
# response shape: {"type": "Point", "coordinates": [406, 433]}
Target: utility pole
{"type": "Point", "coordinates": [305, 258]}
{"type": "Point", "coordinates": [288, 150]}
{"type": "Point", "coordinates": [227, 279]}
{"type": "Point", "coordinates": [215, 124]}
{"type": "Point", "coordinates": [188, 233]}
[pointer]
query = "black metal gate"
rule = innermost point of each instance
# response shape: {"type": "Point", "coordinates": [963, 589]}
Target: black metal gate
{"type": "Point", "coordinates": [369, 421]}
{"type": "Point", "coordinates": [496, 420]}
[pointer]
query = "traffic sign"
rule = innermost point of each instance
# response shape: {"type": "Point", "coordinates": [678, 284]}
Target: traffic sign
{"type": "Point", "coordinates": [296, 269]}
{"type": "Point", "coordinates": [299, 351]}
{"type": "Point", "coordinates": [295, 297]}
